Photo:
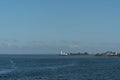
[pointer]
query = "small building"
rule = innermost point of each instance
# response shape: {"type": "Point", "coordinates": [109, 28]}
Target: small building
{"type": "Point", "coordinates": [110, 53]}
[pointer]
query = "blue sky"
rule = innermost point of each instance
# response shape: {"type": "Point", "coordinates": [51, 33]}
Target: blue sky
{"type": "Point", "coordinates": [47, 26]}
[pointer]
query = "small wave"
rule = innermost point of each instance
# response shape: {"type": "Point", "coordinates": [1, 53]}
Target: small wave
{"type": "Point", "coordinates": [58, 66]}
{"type": "Point", "coordinates": [13, 64]}
{"type": "Point", "coordinates": [5, 71]}
{"type": "Point", "coordinates": [10, 69]}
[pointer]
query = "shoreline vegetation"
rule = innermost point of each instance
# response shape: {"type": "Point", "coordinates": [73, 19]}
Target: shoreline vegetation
{"type": "Point", "coordinates": [107, 53]}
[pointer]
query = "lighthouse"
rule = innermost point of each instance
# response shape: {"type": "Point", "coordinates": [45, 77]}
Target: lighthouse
{"type": "Point", "coordinates": [63, 53]}
{"type": "Point", "coordinates": [116, 53]}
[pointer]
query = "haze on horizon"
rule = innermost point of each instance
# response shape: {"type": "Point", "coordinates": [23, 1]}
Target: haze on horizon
{"type": "Point", "coordinates": [48, 26]}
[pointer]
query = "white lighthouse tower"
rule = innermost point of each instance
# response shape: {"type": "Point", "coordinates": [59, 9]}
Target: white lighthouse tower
{"type": "Point", "coordinates": [116, 53]}
{"type": "Point", "coordinates": [61, 52]}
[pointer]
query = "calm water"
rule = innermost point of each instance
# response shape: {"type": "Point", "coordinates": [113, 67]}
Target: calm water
{"type": "Point", "coordinates": [41, 67]}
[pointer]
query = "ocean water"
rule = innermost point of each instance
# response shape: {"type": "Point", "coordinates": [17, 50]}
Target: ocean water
{"type": "Point", "coordinates": [54, 67]}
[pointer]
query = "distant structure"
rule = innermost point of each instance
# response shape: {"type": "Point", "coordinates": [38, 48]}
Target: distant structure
{"type": "Point", "coordinates": [68, 54]}
{"type": "Point", "coordinates": [116, 53]}
{"type": "Point", "coordinates": [63, 53]}
{"type": "Point", "coordinates": [108, 53]}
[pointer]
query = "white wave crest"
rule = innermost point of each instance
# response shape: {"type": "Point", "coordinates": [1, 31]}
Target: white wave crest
{"type": "Point", "coordinates": [9, 70]}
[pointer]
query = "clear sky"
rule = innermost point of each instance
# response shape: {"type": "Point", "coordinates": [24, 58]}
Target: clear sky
{"type": "Point", "coordinates": [47, 26]}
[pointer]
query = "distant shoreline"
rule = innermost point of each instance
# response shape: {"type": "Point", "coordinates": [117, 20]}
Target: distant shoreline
{"type": "Point", "coordinates": [107, 53]}
{"type": "Point", "coordinates": [89, 55]}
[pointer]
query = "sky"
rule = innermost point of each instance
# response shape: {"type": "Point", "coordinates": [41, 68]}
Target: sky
{"type": "Point", "coordinates": [48, 26]}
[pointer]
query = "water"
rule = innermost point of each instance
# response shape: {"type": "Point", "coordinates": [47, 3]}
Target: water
{"type": "Point", "coordinates": [52, 67]}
